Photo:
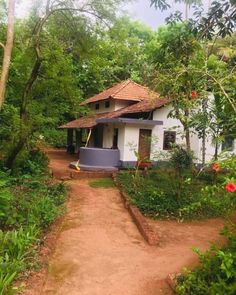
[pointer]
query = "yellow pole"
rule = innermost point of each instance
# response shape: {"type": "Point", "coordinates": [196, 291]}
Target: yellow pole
{"type": "Point", "coordinates": [88, 138]}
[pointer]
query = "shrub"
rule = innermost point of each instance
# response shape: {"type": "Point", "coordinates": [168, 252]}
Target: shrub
{"type": "Point", "coordinates": [181, 159]}
{"type": "Point", "coordinates": [28, 205]}
{"type": "Point", "coordinates": [161, 195]}
{"type": "Point", "coordinates": [216, 273]}
{"type": "Point", "coordinates": [33, 162]}
{"type": "Point", "coordinates": [15, 252]}
{"type": "Point", "coordinates": [55, 137]}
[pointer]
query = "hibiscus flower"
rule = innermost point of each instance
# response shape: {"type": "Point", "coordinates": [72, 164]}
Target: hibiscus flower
{"type": "Point", "coordinates": [194, 94]}
{"type": "Point", "coordinates": [215, 167]}
{"type": "Point", "coordinates": [230, 187]}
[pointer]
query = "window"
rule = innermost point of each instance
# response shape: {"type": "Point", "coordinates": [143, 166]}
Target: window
{"type": "Point", "coordinates": [228, 143]}
{"type": "Point", "coordinates": [107, 104]}
{"type": "Point", "coordinates": [97, 106]}
{"type": "Point", "coordinates": [169, 139]}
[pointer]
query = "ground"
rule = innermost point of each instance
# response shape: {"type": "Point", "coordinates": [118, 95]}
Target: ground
{"type": "Point", "coordinates": [99, 250]}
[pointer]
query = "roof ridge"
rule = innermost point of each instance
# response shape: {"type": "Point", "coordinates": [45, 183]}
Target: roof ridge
{"type": "Point", "coordinates": [126, 82]}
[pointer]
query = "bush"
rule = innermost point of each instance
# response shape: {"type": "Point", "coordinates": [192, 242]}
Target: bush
{"type": "Point", "coordinates": [181, 159]}
{"type": "Point", "coordinates": [216, 273]}
{"type": "Point", "coordinates": [28, 205]}
{"type": "Point", "coordinates": [161, 195]}
{"type": "Point", "coordinates": [55, 137]}
{"type": "Point", "coordinates": [15, 252]}
{"type": "Point", "coordinates": [32, 162]}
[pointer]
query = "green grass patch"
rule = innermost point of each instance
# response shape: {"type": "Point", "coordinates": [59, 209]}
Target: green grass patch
{"type": "Point", "coordinates": [102, 183]}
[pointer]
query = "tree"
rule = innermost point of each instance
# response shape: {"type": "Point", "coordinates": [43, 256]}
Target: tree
{"type": "Point", "coordinates": [102, 12]}
{"type": "Point", "coordinates": [174, 54]}
{"type": "Point", "coordinates": [7, 48]}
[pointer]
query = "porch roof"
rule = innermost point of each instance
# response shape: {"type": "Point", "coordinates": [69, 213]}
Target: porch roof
{"type": "Point", "coordinates": [141, 107]}
{"type": "Point", "coordinates": [84, 122]}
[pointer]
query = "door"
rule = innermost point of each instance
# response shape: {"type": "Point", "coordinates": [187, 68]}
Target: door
{"type": "Point", "coordinates": [98, 136]}
{"type": "Point", "coordinates": [144, 148]}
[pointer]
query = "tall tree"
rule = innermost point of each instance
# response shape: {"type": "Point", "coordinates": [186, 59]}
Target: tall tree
{"type": "Point", "coordinates": [7, 48]}
{"type": "Point", "coordinates": [93, 10]}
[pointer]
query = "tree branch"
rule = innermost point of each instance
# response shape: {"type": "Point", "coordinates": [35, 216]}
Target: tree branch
{"type": "Point", "coordinates": [2, 45]}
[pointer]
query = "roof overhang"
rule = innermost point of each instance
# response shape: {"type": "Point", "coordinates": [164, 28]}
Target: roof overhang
{"type": "Point", "coordinates": [129, 121]}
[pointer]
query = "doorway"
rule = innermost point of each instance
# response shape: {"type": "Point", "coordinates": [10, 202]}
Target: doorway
{"type": "Point", "coordinates": [144, 148]}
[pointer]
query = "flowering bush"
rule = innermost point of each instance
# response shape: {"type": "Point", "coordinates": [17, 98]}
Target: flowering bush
{"type": "Point", "coordinates": [194, 94]}
{"type": "Point", "coordinates": [230, 187]}
{"type": "Point", "coordinates": [216, 273]}
{"type": "Point", "coordinates": [215, 167]}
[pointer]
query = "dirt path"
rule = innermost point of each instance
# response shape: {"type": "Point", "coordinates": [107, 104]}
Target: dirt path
{"type": "Point", "coordinates": [100, 251]}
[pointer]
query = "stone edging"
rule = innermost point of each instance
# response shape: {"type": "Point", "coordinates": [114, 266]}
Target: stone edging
{"type": "Point", "coordinates": [145, 229]}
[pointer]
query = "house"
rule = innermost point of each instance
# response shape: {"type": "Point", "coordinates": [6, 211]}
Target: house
{"type": "Point", "coordinates": [127, 121]}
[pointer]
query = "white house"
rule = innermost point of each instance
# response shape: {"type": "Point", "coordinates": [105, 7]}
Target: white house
{"type": "Point", "coordinates": [127, 120]}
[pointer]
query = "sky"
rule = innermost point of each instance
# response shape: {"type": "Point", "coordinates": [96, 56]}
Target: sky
{"type": "Point", "coordinates": [141, 10]}
{"type": "Point", "coordinates": [137, 9]}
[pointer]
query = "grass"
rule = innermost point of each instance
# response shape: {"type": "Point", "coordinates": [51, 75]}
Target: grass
{"type": "Point", "coordinates": [102, 183]}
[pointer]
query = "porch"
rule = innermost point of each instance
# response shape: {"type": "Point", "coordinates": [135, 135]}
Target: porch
{"type": "Point", "coordinates": [106, 144]}
{"type": "Point", "coordinates": [60, 166]}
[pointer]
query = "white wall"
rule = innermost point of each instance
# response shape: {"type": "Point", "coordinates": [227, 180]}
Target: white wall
{"type": "Point", "coordinates": [169, 124]}
{"type": "Point", "coordinates": [120, 104]}
{"type": "Point", "coordinates": [128, 137]}
{"type": "Point", "coordinates": [114, 105]}
{"type": "Point", "coordinates": [108, 132]}
{"type": "Point", "coordinates": [121, 141]}
{"type": "Point", "coordinates": [102, 108]}
{"type": "Point", "coordinates": [172, 124]}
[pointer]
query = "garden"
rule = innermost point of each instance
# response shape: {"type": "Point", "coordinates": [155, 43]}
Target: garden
{"type": "Point", "coordinates": [60, 53]}
{"type": "Point", "coordinates": [184, 192]}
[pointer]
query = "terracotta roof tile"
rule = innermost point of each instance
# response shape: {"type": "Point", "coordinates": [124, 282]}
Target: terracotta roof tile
{"type": "Point", "coordinates": [126, 90]}
{"type": "Point", "coordinates": [84, 122]}
{"type": "Point", "coordinates": [143, 106]}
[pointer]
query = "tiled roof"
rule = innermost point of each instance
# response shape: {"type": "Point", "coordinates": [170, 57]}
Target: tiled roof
{"type": "Point", "coordinates": [126, 90]}
{"type": "Point", "coordinates": [140, 107]}
{"type": "Point", "coordinates": [84, 122]}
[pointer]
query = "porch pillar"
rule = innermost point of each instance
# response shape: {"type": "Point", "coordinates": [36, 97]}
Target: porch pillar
{"type": "Point", "coordinates": [78, 139]}
{"type": "Point", "coordinates": [70, 138]}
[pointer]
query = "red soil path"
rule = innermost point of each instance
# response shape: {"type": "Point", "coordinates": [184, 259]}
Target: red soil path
{"type": "Point", "coordinates": [99, 250]}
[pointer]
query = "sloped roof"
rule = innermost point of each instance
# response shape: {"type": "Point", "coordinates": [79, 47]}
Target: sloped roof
{"type": "Point", "coordinates": [126, 90]}
{"type": "Point", "coordinates": [84, 122]}
{"type": "Point", "coordinates": [140, 107]}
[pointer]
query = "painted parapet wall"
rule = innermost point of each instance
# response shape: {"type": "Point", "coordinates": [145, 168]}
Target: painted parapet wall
{"type": "Point", "coordinates": [96, 157]}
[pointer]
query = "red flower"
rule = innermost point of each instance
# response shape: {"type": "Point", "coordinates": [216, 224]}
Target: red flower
{"type": "Point", "coordinates": [215, 167]}
{"type": "Point", "coordinates": [230, 187]}
{"type": "Point", "coordinates": [194, 94]}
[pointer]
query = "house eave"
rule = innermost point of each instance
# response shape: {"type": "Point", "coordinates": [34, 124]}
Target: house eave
{"type": "Point", "coordinates": [129, 121]}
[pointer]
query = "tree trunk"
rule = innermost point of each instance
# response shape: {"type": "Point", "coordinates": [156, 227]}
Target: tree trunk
{"type": "Point", "coordinates": [188, 140]}
{"type": "Point", "coordinates": [14, 152]}
{"type": "Point", "coordinates": [187, 131]}
{"type": "Point", "coordinates": [216, 150]}
{"type": "Point", "coordinates": [28, 88]}
{"type": "Point", "coordinates": [204, 148]}
{"type": "Point", "coordinates": [7, 51]}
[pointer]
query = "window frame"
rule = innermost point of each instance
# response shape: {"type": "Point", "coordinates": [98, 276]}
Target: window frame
{"type": "Point", "coordinates": [166, 146]}
{"type": "Point", "coordinates": [107, 104]}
